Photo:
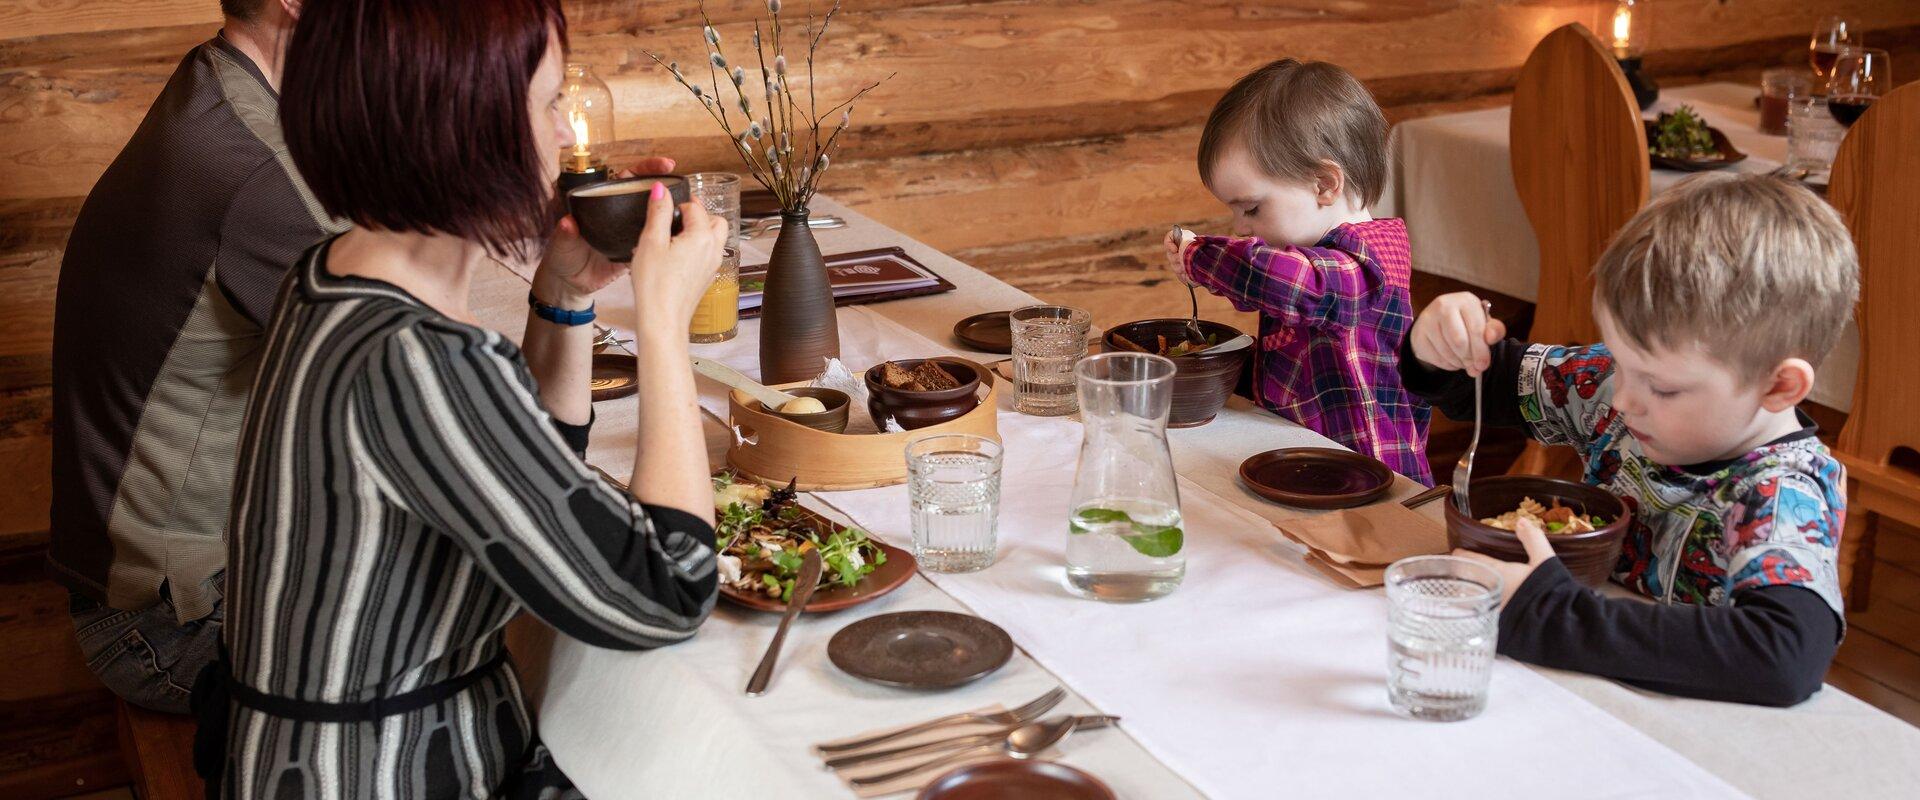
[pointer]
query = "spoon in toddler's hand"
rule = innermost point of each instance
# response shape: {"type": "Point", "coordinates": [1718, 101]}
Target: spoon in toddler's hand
{"type": "Point", "coordinates": [1194, 334]}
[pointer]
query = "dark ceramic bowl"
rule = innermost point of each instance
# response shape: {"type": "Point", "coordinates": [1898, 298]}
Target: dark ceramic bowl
{"type": "Point", "coordinates": [612, 213]}
{"type": "Point", "coordinates": [920, 409]}
{"type": "Point", "coordinates": [832, 420]}
{"type": "Point", "coordinates": [1589, 556]}
{"type": "Point", "coordinates": [1201, 383]}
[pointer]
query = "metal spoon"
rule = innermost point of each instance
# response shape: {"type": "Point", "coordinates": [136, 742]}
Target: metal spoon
{"type": "Point", "coordinates": [1023, 743]}
{"type": "Point", "coordinates": [1194, 333]}
{"type": "Point", "coordinates": [970, 741]}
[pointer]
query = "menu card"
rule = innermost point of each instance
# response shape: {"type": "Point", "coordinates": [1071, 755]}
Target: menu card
{"type": "Point", "coordinates": [867, 276]}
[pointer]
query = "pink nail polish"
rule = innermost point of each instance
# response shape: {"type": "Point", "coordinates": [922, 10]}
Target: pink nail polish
{"type": "Point", "coordinates": [659, 190]}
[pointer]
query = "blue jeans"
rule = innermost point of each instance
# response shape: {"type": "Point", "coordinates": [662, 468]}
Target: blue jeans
{"type": "Point", "coordinates": [147, 657]}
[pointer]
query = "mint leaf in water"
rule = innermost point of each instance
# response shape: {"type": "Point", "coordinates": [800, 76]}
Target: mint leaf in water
{"type": "Point", "coordinates": [1155, 542]}
{"type": "Point", "coordinates": [1096, 516]}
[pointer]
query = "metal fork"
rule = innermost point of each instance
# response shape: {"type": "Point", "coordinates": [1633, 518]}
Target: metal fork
{"type": "Point", "coordinates": [1463, 469]}
{"type": "Point", "coordinates": [1018, 716]}
{"type": "Point", "coordinates": [772, 224]}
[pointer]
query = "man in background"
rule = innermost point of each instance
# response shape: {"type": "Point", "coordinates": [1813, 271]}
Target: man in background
{"type": "Point", "coordinates": [170, 277]}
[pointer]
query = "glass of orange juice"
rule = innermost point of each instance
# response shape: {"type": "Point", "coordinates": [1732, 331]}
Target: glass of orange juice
{"type": "Point", "coordinates": [717, 318]}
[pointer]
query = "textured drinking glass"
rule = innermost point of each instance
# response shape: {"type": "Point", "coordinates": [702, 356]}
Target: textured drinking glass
{"type": "Point", "coordinates": [717, 318]}
{"type": "Point", "coordinates": [1443, 621]}
{"type": "Point", "coordinates": [953, 484]}
{"type": "Point", "coordinates": [1047, 342]}
{"type": "Point", "coordinates": [1125, 542]}
{"type": "Point", "coordinates": [719, 194]}
{"type": "Point", "coordinates": [1813, 138]}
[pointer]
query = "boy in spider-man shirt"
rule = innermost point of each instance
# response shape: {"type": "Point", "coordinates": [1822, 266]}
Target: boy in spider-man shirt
{"type": "Point", "coordinates": [1715, 303]}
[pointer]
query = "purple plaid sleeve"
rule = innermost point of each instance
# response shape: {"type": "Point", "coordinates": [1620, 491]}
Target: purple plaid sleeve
{"type": "Point", "coordinates": [1332, 318]}
{"type": "Point", "coordinates": [1301, 286]}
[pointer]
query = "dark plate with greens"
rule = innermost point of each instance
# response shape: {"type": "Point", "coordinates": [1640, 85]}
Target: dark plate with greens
{"type": "Point", "coordinates": [1682, 140]}
{"type": "Point", "coordinates": [761, 531]}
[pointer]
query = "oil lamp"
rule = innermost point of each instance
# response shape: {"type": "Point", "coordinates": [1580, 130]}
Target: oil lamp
{"type": "Point", "coordinates": [588, 105]}
{"type": "Point", "coordinates": [1628, 39]}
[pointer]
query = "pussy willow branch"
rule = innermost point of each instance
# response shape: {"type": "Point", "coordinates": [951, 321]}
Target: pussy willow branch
{"type": "Point", "coordinates": [776, 164]}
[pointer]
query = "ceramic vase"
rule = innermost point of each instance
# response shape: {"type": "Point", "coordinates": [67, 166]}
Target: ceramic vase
{"type": "Point", "coordinates": [798, 331]}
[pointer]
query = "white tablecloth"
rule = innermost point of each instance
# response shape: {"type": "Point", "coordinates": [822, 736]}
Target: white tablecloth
{"type": "Point", "coordinates": [1257, 677]}
{"type": "Point", "coordinates": [1452, 180]}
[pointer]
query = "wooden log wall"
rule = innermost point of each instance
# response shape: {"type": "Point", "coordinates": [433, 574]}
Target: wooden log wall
{"type": "Point", "coordinates": [1047, 142]}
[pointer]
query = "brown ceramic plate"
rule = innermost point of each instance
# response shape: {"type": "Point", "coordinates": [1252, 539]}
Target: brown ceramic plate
{"type": "Point", "coordinates": [615, 375]}
{"type": "Point", "coordinates": [1016, 780]}
{"type": "Point", "coordinates": [991, 332]}
{"type": "Point", "coordinates": [920, 649]}
{"type": "Point", "coordinates": [1316, 477]}
{"type": "Point", "coordinates": [884, 578]}
{"type": "Point", "coordinates": [1729, 154]}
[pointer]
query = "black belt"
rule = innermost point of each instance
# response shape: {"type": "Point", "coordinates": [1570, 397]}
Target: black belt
{"type": "Point", "coordinates": [215, 686]}
{"type": "Point", "coordinates": [366, 711]}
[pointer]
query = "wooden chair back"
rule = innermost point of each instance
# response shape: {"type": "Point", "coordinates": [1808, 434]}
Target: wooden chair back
{"type": "Point", "coordinates": [1579, 156]}
{"type": "Point", "coordinates": [1873, 183]}
{"type": "Point", "coordinates": [1580, 165]}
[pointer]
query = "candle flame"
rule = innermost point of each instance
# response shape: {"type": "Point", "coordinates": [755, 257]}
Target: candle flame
{"type": "Point", "coordinates": [1622, 26]}
{"type": "Point", "coordinates": [578, 119]}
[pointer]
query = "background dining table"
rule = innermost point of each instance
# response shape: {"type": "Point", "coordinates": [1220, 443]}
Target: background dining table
{"type": "Point", "coordinates": [1258, 678]}
{"type": "Point", "coordinates": [1451, 179]}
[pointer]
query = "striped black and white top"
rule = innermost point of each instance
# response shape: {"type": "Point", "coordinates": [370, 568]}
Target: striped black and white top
{"type": "Point", "coordinates": [400, 494]}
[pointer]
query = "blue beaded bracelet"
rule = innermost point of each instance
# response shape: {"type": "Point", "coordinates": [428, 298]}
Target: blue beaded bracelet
{"type": "Point", "coordinates": [557, 315]}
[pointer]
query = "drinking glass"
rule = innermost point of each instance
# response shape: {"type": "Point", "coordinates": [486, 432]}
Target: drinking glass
{"type": "Point", "coordinates": [1813, 138]}
{"type": "Point", "coordinates": [717, 318]}
{"type": "Point", "coordinates": [1779, 88]}
{"type": "Point", "coordinates": [953, 486]}
{"type": "Point", "coordinates": [1443, 620]}
{"type": "Point", "coordinates": [1830, 38]}
{"type": "Point", "coordinates": [1047, 342]}
{"type": "Point", "coordinates": [1859, 77]}
{"type": "Point", "coordinates": [719, 194]}
{"type": "Point", "coordinates": [1125, 542]}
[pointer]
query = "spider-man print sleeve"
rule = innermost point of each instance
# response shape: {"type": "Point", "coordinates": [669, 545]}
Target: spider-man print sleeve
{"type": "Point", "coordinates": [1566, 394]}
{"type": "Point", "coordinates": [1785, 531]}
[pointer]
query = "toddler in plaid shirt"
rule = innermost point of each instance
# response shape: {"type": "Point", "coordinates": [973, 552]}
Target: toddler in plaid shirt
{"type": "Point", "coordinates": [1298, 152]}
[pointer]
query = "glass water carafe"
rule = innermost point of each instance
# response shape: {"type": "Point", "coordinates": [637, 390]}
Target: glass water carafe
{"type": "Point", "coordinates": [1125, 542]}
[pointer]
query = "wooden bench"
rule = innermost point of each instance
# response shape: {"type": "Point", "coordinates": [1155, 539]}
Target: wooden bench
{"type": "Point", "coordinates": [158, 751]}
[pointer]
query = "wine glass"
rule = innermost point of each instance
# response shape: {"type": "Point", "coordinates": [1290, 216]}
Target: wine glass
{"type": "Point", "coordinates": [1830, 38]}
{"type": "Point", "coordinates": [1860, 75]}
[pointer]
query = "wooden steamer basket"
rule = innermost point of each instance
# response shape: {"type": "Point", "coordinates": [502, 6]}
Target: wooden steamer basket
{"type": "Point", "coordinates": [773, 450]}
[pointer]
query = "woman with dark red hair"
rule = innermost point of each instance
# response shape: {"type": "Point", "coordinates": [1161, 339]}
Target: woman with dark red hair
{"type": "Point", "coordinates": [409, 480]}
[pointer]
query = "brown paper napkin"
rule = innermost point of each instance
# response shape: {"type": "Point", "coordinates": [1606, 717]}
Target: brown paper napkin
{"type": "Point", "coordinates": [1355, 545]}
{"type": "Point", "coordinates": [914, 782]}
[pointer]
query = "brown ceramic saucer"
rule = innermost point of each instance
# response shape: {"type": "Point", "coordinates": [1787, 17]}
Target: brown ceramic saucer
{"type": "Point", "coordinates": [1316, 477]}
{"type": "Point", "coordinates": [920, 649]}
{"type": "Point", "coordinates": [615, 375]}
{"type": "Point", "coordinates": [883, 579]}
{"type": "Point", "coordinates": [1016, 780]}
{"type": "Point", "coordinates": [991, 332]}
